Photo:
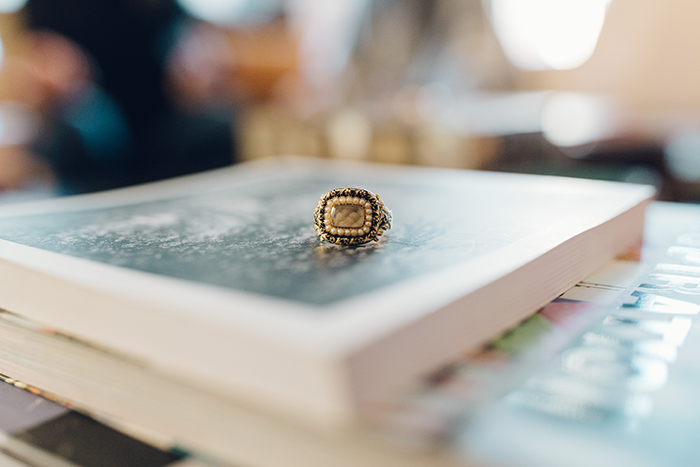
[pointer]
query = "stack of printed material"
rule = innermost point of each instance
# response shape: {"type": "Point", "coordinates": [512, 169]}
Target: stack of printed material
{"type": "Point", "coordinates": [38, 432]}
{"type": "Point", "coordinates": [622, 390]}
{"type": "Point", "coordinates": [206, 307]}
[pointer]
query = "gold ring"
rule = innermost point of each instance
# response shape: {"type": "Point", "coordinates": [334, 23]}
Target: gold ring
{"type": "Point", "coordinates": [351, 216]}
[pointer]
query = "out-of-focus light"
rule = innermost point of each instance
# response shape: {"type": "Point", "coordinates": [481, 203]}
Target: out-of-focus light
{"type": "Point", "coordinates": [231, 12]}
{"type": "Point", "coordinates": [434, 101]}
{"type": "Point", "coordinates": [497, 114]}
{"type": "Point", "coordinates": [327, 31]}
{"type": "Point", "coordinates": [683, 155]}
{"type": "Point", "coordinates": [11, 6]}
{"type": "Point", "coordinates": [571, 119]}
{"type": "Point", "coordinates": [349, 134]}
{"type": "Point", "coordinates": [548, 34]}
{"type": "Point", "coordinates": [18, 123]}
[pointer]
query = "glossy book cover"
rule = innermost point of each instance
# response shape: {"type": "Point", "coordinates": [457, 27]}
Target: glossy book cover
{"type": "Point", "coordinates": [222, 273]}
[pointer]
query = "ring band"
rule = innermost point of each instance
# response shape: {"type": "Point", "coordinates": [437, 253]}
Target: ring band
{"type": "Point", "coordinates": [351, 216]}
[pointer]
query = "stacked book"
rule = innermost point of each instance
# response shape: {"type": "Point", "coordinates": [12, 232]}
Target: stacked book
{"type": "Point", "coordinates": [207, 309]}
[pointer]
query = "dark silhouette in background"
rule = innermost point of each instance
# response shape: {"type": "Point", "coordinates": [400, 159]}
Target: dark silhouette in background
{"type": "Point", "coordinates": [110, 121]}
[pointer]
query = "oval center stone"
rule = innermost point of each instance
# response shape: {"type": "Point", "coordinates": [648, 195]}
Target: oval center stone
{"type": "Point", "coordinates": [348, 216]}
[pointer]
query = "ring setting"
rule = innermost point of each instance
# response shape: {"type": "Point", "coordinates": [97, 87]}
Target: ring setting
{"type": "Point", "coordinates": [351, 216]}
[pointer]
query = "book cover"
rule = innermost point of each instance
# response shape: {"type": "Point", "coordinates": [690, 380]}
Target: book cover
{"type": "Point", "coordinates": [222, 276]}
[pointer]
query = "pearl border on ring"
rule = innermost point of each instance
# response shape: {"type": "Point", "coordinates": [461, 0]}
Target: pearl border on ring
{"type": "Point", "coordinates": [348, 196]}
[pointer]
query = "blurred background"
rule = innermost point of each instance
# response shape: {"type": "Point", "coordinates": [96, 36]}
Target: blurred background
{"type": "Point", "coordinates": [96, 95]}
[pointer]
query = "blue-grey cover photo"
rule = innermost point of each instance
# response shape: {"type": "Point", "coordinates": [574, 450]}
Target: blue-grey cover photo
{"type": "Point", "coordinates": [255, 234]}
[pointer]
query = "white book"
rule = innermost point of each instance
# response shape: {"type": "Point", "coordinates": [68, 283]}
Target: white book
{"type": "Point", "coordinates": [218, 281]}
